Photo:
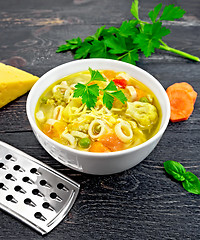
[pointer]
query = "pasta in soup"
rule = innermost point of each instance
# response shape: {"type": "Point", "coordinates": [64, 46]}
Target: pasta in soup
{"type": "Point", "coordinates": [110, 124]}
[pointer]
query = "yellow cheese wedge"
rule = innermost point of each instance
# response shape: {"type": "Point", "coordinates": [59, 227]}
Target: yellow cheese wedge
{"type": "Point", "coordinates": [14, 83]}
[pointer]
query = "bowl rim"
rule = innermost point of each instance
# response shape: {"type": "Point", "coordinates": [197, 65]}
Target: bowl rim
{"type": "Point", "coordinates": [91, 154]}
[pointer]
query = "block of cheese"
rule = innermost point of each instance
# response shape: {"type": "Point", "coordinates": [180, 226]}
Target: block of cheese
{"type": "Point", "coordinates": [14, 83]}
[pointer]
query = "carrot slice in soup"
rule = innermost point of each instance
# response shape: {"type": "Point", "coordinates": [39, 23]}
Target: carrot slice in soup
{"type": "Point", "coordinates": [55, 130]}
{"type": "Point", "coordinates": [140, 93]}
{"type": "Point", "coordinates": [182, 104]}
{"type": "Point", "coordinates": [98, 147]}
{"type": "Point", "coordinates": [109, 74]}
{"type": "Point", "coordinates": [112, 142]}
{"type": "Point", "coordinates": [47, 129]}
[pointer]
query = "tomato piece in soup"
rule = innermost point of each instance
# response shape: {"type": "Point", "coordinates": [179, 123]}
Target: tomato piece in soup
{"type": "Point", "coordinates": [121, 83]}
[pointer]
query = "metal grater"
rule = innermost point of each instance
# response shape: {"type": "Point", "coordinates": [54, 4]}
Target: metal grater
{"type": "Point", "coordinates": [32, 191]}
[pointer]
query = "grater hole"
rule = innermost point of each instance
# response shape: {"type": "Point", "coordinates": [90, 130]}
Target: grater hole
{"type": "Point", "coordinates": [1, 165]}
{"type": "Point", "coordinates": [8, 176]}
{"type": "Point", "coordinates": [1, 185]}
{"type": "Point", "coordinates": [53, 195]}
{"type": "Point", "coordinates": [8, 156]}
{"type": "Point", "coordinates": [60, 186]}
{"type": "Point", "coordinates": [17, 188]}
{"type": "Point", "coordinates": [26, 179]}
{"type": "Point", "coordinates": [27, 201]}
{"type": "Point", "coordinates": [33, 170]}
{"type": "Point", "coordinates": [9, 198]}
{"type": "Point", "coordinates": [35, 191]}
{"type": "Point", "coordinates": [46, 205]}
{"type": "Point", "coordinates": [16, 167]}
{"type": "Point", "coordinates": [38, 215]}
{"type": "Point", "coordinates": [43, 182]}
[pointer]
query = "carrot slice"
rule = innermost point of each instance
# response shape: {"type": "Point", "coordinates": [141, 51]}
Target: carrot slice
{"type": "Point", "coordinates": [112, 142]}
{"type": "Point", "coordinates": [181, 103]}
{"type": "Point", "coordinates": [140, 93]}
{"type": "Point", "coordinates": [47, 129]}
{"type": "Point", "coordinates": [98, 147]}
{"type": "Point", "coordinates": [109, 74]}
{"type": "Point", "coordinates": [54, 131]}
{"type": "Point", "coordinates": [184, 86]}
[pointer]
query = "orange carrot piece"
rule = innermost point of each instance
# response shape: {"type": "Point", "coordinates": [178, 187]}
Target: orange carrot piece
{"type": "Point", "coordinates": [98, 147]}
{"type": "Point", "coordinates": [55, 130]}
{"type": "Point", "coordinates": [181, 103]}
{"type": "Point", "coordinates": [140, 93]}
{"type": "Point", "coordinates": [59, 127]}
{"type": "Point", "coordinates": [112, 142]}
{"type": "Point", "coordinates": [110, 74]}
{"type": "Point", "coordinates": [47, 129]}
{"type": "Point", "coordinates": [185, 86]}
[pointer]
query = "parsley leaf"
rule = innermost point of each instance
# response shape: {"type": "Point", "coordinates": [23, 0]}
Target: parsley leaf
{"type": "Point", "coordinates": [111, 87]}
{"type": "Point", "coordinates": [63, 48]}
{"type": "Point", "coordinates": [134, 9]}
{"type": "Point", "coordinates": [154, 13]}
{"type": "Point", "coordinates": [96, 76]}
{"type": "Point", "coordinates": [79, 90]}
{"type": "Point", "coordinates": [116, 44]}
{"type": "Point", "coordinates": [89, 97]}
{"type": "Point", "coordinates": [108, 100]}
{"type": "Point", "coordinates": [83, 51]}
{"type": "Point", "coordinates": [171, 13]}
{"type": "Point", "coordinates": [132, 37]}
{"type": "Point", "coordinates": [120, 96]}
{"type": "Point", "coordinates": [131, 57]}
{"type": "Point", "coordinates": [96, 35]}
{"type": "Point", "coordinates": [71, 45]}
{"type": "Point", "coordinates": [149, 39]}
{"type": "Point", "coordinates": [128, 28]}
{"type": "Point", "coordinates": [99, 50]}
{"type": "Point", "coordinates": [89, 93]}
{"type": "Point", "coordinates": [111, 92]}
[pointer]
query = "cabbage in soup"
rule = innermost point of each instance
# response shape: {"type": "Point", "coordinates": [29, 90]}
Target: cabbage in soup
{"type": "Point", "coordinates": [65, 119]}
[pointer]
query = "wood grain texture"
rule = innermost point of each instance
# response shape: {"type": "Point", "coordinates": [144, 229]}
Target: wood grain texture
{"type": "Point", "coordinates": [143, 202]}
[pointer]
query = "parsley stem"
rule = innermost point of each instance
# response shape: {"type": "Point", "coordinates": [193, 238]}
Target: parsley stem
{"type": "Point", "coordinates": [163, 43]}
{"type": "Point", "coordinates": [120, 57]}
{"type": "Point", "coordinates": [181, 53]}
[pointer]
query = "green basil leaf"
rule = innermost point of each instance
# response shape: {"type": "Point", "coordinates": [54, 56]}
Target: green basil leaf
{"type": "Point", "coordinates": [175, 169]}
{"type": "Point", "coordinates": [191, 183]}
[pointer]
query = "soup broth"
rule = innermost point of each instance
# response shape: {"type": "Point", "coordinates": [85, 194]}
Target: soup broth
{"type": "Point", "coordinates": [65, 119]}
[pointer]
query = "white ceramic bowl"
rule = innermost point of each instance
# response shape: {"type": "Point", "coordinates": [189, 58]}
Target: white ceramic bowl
{"type": "Point", "coordinates": [97, 163]}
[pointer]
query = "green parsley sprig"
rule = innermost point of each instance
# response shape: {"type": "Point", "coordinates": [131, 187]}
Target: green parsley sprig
{"type": "Point", "coordinates": [132, 37]}
{"type": "Point", "coordinates": [89, 93]}
{"type": "Point", "coordinates": [189, 181]}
